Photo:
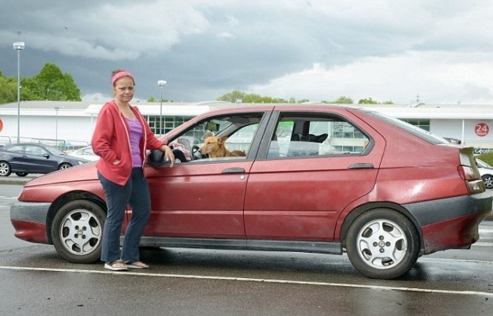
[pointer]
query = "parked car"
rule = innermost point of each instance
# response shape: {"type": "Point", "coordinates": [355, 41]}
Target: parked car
{"type": "Point", "coordinates": [486, 172]}
{"type": "Point", "coordinates": [25, 158]}
{"type": "Point", "coordinates": [85, 153]}
{"type": "Point", "coordinates": [381, 190]}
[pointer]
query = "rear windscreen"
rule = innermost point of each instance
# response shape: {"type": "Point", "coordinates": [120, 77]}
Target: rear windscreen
{"type": "Point", "coordinates": [419, 132]}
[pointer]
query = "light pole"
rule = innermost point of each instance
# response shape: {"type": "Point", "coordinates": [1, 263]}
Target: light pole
{"type": "Point", "coordinates": [56, 126]}
{"type": "Point", "coordinates": [18, 46]}
{"type": "Point", "coordinates": [161, 84]}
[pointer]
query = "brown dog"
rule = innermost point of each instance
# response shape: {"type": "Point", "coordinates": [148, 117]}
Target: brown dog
{"type": "Point", "coordinates": [213, 146]}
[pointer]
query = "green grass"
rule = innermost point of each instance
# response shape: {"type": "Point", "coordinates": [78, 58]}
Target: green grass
{"type": "Point", "coordinates": [487, 157]}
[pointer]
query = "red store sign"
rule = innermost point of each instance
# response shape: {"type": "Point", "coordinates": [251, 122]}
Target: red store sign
{"type": "Point", "coordinates": [481, 129]}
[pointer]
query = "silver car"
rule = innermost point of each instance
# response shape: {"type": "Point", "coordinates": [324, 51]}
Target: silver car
{"type": "Point", "coordinates": [486, 172]}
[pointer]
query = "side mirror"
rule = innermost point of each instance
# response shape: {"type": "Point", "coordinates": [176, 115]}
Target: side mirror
{"type": "Point", "coordinates": [155, 158]}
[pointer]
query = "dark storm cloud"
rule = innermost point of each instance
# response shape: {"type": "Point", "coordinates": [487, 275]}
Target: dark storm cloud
{"type": "Point", "coordinates": [320, 50]}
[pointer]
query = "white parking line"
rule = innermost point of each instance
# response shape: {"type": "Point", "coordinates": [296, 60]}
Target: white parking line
{"type": "Point", "coordinates": [483, 244]}
{"type": "Point", "coordinates": [2, 197]}
{"type": "Point", "coordinates": [238, 279]}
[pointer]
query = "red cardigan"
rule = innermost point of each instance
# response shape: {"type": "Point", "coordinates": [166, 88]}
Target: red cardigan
{"type": "Point", "coordinates": [111, 141]}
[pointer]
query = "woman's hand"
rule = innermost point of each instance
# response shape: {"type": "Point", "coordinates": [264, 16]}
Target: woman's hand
{"type": "Point", "coordinates": [168, 155]}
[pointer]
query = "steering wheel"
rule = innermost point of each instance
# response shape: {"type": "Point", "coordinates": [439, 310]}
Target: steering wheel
{"type": "Point", "coordinates": [196, 153]}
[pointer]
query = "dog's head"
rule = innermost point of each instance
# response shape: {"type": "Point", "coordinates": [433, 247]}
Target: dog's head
{"type": "Point", "coordinates": [213, 146]}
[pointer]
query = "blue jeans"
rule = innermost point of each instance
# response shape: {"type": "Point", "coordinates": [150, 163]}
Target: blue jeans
{"type": "Point", "coordinates": [136, 194]}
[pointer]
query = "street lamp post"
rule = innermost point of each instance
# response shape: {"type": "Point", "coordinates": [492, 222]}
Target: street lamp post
{"type": "Point", "coordinates": [18, 46]}
{"type": "Point", "coordinates": [161, 84]}
{"type": "Point", "coordinates": [56, 125]}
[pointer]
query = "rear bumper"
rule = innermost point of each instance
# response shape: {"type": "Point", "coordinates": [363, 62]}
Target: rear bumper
{"type": "Point", "coordinates": [29, 221]}
{"type": "Point", "coordinates": [451, 223]}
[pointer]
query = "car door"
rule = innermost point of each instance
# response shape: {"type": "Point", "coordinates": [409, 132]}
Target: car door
{"type": "Point", "coordinates": [297, 189]}
{"type": "Point", "coordinates": [36, 159]}
{"type": "Point", "coordinates": [204, 198]}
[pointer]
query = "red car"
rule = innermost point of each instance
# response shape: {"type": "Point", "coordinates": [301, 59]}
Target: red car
{"type": "Point", "coordinates": [314, 178]}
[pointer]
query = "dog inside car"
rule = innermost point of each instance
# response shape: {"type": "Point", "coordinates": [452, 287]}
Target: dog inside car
{"type": "Point", "coordinates": [214, 147]}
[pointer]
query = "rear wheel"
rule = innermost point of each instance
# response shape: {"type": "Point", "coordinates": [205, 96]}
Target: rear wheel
{"type": "Point", "coordinates": [5, 169]}
{"type": "Point", "coordinates": [382, 244]}
{"type": "Point", "coordinates": [21, 174]}
{"type": "Point", "coordinates": [64, 166]}
{"type": "Point", "coordinates": [77, 231]}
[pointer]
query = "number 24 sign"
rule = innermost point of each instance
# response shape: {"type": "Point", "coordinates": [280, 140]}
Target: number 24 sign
{"type": "Point", "coordinates": [481, 129]}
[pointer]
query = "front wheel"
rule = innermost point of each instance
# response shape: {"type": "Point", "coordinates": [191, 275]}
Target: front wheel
{"type": "Point", "coordinates": [488, 181]}
{"type": "Point", "coordinates": [382, 244]}
{"type": "Point", "coordinates": [77, 231]}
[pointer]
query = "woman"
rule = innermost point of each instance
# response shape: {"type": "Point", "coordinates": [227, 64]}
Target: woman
{"type": "Point", "coordinates": [121, 138]}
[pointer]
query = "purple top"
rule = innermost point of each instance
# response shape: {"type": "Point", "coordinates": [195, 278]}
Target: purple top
{"type": "Point", "coordinates": [135, 137]}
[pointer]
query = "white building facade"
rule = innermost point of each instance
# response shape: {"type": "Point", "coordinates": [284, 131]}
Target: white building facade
{"type": "Point", "coordinates": [71, 124]}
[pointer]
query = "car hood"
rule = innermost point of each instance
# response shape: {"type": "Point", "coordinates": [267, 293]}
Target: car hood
{"type": "Point", "coordinates": [84, 172]}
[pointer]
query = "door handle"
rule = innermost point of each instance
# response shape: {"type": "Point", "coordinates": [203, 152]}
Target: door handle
{"type": "Point", "coordinates": [233, 170]}
{"type": "Point", "coordinates": [361, 166]}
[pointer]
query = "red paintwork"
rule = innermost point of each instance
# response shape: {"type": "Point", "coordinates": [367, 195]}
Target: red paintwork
{"type": "Point", "coordinates": [49, 187]}
{"type": "Point", "coordinates": [455, 233]}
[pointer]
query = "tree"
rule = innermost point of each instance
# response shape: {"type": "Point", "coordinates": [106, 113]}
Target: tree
{"type": "Point", "coordinates": [51, 84]}
{"type": "Point", "coordinates": [236, 96]}
{"type": "Point", "coordinates": [371, 101]}
{"type": "Point", "coordinates": [233, 96]}
{"type": "Point", "coordinates": [153, 99]}
{"type": "Point", "coordinates": [8, 89]}
{"type": "Point", "coordinates": [367, 101]}
{"type": "Point", "coordinates": [343, 100]}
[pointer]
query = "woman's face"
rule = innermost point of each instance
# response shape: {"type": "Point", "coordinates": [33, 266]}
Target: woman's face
{"type": "Point", "coordinates": [124, 89]}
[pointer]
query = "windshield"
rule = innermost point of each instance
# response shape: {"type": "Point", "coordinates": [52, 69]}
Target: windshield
{"type": "Point", "coordinates": [482, 164]}
{"type": "Point", "coordinates": [54, 150]}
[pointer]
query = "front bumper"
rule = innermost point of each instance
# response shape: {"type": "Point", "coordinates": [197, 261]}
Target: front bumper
{"type": "Point", "coordinates": [29, 221]}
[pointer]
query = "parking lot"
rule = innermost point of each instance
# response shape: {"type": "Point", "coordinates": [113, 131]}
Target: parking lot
{"type": "Point", "coordinates": [35, 280]}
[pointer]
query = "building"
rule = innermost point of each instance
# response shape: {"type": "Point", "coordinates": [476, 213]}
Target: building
{"type": "Point", "coordinates": [70, 124]}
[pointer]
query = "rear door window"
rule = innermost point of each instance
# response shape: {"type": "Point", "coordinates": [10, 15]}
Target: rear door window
{"type": "Point", "coordinates": [316, 136]}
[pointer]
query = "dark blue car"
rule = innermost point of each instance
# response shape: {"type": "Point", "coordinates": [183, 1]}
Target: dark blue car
{"type": "Point", "coordinates": [25, 158]}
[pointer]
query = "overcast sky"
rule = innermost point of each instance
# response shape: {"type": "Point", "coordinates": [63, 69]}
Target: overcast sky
{"type": "Point", "coordinates": [434, 51]}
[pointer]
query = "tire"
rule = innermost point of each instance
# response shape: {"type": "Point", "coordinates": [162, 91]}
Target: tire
{"type": "Point", "coordinates": [488, 181]}
{"type": "Point", "coordinates": [77, 231]}
{"type": "Point", "coordinates": [64, 165]}
{"type": "Point", "coordinates": [5, 169]}
{"type": "Point", "coordinates": [382, 244]}
{"type": "Point", "coordinates": [21, 174]}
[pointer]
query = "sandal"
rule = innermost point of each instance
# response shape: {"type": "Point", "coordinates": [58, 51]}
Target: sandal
{"type": "Point", "coordinates": [137, 265]}
{"type": "Point", "coordinates": [117, 265]}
